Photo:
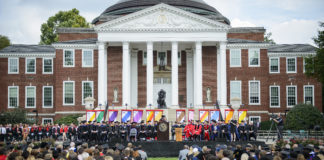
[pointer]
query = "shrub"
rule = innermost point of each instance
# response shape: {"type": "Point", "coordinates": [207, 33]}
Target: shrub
{"type": "Point", "coordinates": [67, 120]}
{"type": "Point", "coordinates": [14, 116]}
{"type": "Point", "coordinates": [304, 117]}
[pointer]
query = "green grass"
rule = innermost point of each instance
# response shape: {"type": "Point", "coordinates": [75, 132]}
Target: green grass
{"type": "Point", "coordinates": [162, 158]}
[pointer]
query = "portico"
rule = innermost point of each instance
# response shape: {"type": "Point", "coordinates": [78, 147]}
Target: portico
{"type": "Point", "coordinates": [175, 29]}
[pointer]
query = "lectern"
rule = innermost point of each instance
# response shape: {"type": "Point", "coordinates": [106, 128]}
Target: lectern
{"type": "Point", "coordinates": [178, 133]}
{"type": "Point", "coordinates": [163, 131]}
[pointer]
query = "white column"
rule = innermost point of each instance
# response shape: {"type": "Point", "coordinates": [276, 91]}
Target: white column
{"type": "Point", "coordinates": [223, 75]}
{"type": "Point", "coordinates": [190, 78]}
{"type": "Point", "coordinates": [126, 74]}
{"type": "Point", "coordinates": [149, 74]}
{"type": "Point", "coordinates": [198, 75]}
{"type": "Point", "coordinates": [102, 74]}
{"type": "Point", "coordinates": [175, 88]}
{"type": "Point", "coordinates": [134, 79]}
{"type": "Point", "coordinates": [218, 74]}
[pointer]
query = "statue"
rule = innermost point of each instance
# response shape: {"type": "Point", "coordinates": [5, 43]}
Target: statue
{"type": "Point", "coordinates": [208, 99]}
{"type": "Point", "coordinates": [115, 94]}
{"type": "Point", "coordinates": [162, 63]}
{"type": "Point", "coordinates": [161, 99]}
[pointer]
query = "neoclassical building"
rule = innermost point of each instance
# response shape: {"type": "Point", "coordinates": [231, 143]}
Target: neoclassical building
{"type": "Point", "coordinates": [137, 48]}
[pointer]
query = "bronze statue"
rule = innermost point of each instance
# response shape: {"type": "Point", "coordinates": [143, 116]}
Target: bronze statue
{"type": "Point", "coordinates": [161, 99]}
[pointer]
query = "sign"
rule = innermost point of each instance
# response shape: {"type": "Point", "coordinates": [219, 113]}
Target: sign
{"type": "Point", "coordinates": [203, 115]}
{"type": "Point", "coordinates": [137, 116]}
{"type": "Point", "coordinates": [126, 115]}
{"type": "Point", "coordinates": [181, 115]}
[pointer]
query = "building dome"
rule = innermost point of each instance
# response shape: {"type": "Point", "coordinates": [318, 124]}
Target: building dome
{"type": "Point", "coordinates": [124, 7]}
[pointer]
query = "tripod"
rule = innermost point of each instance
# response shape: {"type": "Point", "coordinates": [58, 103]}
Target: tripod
{"type": "Point", "coordinates": [278, 132]}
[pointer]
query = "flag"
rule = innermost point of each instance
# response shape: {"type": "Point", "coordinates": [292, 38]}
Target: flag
{"type": "Point", "coordinates": [100, 116]}
{"type": "Point", "coordinates": [126, 116]}
{"type": "Point", "coordinates": [149, 116]}
{"type": "Point", "coordinates": [203, 116]}
{"type": "Point", "coordinates": [214, 115]}
{"type": "Point", "coordinates": [137, 116]}
{"type": "Point", "coordinates": [106, 110]}
{"type": "Point", "coordinates": [191, 115]}
{"type": "Point", "coordinates": [242, 115]}
{"type": "Point", "coordinates": [181, 116]}
{"type": "Point", "coordinates": [228, 115]}
{"type": "Point", "coordinates": [158, 115]}
{"type": "Point", "coordinates": [91, 116]}
{"type": "Point", "coordinates": [217, 106]}
{"type": "Point", "coordinates": [112, 116]}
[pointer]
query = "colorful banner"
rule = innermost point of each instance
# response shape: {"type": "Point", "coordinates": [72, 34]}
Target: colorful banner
{"type": "Point", "coordinates": [214, 115]}
{"type": "Point", "coordinates": [137, 116]}
{"type": "Point", "coordinates": [228, 115]}
{"type": "Point", "coordinates": [180, 115]}
{"type": "Point", "coordinates": [158, 115]}
{"type": "Point", "coordinates": [203, 115]}
{"type": "Point", "coordinates": [242, 115]}
{"type": "Point", "coordinates": [99, 116]}
{"type": "Point", "coordinates": [191, 115]}
{"type": "Point", "coordinates": [91, 116]}
{"type": "Point", "coordinates": [149, 116]}
{"type": "Point", "coordinates": [126, 115]}
{"type": "Point", "coordinates": [112, 115]}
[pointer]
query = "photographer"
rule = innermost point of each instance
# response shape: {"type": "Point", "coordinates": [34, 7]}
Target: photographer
{"type": "Point", "coordinates": [280, 125]}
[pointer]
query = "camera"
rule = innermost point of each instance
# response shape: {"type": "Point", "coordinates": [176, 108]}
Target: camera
{"type": "Point", "coordinates": [273, 116]}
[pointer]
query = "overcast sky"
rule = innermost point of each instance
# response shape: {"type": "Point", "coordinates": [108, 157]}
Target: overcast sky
{"type": "Point", "coordinates": [290, 21]}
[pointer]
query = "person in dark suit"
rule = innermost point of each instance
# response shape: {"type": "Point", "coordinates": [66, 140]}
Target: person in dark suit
{"type": "Point", "coordinates": [103, 131]}
{"type": "Point", "coordinates": [213, 130]}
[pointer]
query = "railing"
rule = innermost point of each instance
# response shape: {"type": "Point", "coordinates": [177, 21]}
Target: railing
{"type": "Point", "coordinates": [288, 134]}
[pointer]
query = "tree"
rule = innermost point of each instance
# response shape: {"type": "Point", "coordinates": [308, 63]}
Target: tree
{"type": "Point", "coordinates": [268, 38]}
{"type": "Point", "coordinates": [67, 120]}
{"type": "Point", "coordinates": [314, 65]}
{"type": "Point", "coordinates": [14, 116]}
{"type": "Point", "coordinates": [4, 42]}
{"type": "Point", "coordinates": [304, 117]}
{"type": "Point", "coordinates": [69, 18]}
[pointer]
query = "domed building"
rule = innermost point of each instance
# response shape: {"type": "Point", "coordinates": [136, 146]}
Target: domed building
{"type": "Point", "coordinates": [145, 58]}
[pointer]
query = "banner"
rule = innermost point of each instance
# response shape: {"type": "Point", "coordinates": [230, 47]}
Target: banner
{"type": "Point", "coordinates": [191, 115]}
{"type": "Point", "coordinates": [91, 116]}
{"type": "Point", "coordinates": [242, 115]}
{"type": "Point", "coordinates": [158, 115]}
{"type": "Point", "coordinates": [181, 114]}
{"type": "Point", "coordinates": [112, 115]}
{"type": "Point", "coordinates": [149, 116]}
{"type": "Point", "coordinates": [100, 116]}
{"type": "Point", "coordinates": [214, 115]}
{"type": "Point", "coordinates": [203, 115]}
{"type": "Point", "coordinates": [228, 115]}
{"type": "Point", "coordinates": [137, 116]}
{"type": "Point", "coordinates": [126, 115]}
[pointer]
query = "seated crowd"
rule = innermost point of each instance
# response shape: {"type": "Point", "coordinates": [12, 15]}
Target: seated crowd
{"type": "Point", "coordinates": [252, 152]}
{"type": "Point", "coordinates": [48, 151]}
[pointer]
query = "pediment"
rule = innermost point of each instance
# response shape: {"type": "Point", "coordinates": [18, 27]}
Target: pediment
{"type": "Point", "coordinates": [162, 17]}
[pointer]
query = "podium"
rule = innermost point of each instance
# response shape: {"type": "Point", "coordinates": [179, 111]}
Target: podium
{"type": "Point", "coordinates": [163, 131]}
{"type": "Point", "coordinates": [178, 133]}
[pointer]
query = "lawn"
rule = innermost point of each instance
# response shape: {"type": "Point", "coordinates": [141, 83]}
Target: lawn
{"type": "Point", "coordinates": [162, 158]}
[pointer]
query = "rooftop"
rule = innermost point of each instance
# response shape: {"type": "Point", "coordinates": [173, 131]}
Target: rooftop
{"type": "Point", "coordinates": [24, 48]}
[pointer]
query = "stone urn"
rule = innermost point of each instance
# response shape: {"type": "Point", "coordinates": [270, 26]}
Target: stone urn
{"type": "Point", "coordinates": [236, 103]}
{"type": "Point", "coordinates": [89, 103]}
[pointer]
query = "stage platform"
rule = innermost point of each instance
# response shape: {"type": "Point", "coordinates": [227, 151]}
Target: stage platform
{"type": "Point", "coordinates": [172, 148]}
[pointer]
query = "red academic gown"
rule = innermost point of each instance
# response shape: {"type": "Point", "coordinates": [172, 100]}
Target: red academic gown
{"type": "Point", "coordinates": [206, 134]}
{"type": "Point", "coordinates": [197, 129]}
{"type": "Point", "coordinates": [189, 130]}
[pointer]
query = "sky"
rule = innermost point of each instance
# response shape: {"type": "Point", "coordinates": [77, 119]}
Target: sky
{"type": "Point", "coordinates": [289, 21]}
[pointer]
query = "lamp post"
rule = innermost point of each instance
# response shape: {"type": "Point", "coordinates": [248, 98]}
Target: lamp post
{"type": "Point", "coordinates": [150, 106]}
{"type": "Point", "coordinates": [36, 111]}
{"type": "Point", "coordinates": [126, 105]}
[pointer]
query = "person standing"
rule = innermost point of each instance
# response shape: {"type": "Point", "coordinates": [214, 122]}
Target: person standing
{"type": "Point", "coordinates": [183, 153]}
{"type": "Point", "coordinates": [280, 125]}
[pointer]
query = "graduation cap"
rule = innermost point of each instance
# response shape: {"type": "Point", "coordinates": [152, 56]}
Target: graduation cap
{"type": "Point", "coordinates": [213, 121]}
{"type": "Point", "coordinates": [142, 121]}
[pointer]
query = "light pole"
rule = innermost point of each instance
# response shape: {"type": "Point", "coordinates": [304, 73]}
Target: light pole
{"type": "Point", "coordinates": [36, 111]}
{"type": "Point", "coordinates": [126, 106]}
{"type": "Point", "coordinates": [150, 106]}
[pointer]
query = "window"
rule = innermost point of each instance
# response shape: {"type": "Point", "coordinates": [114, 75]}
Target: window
{"type": "Point", "coordinates": [47, 96]}
{"type": "Point", "coordinates": [47, 120]}
{"type": "Point", "coordinates": [274, 96]}
{"type": "Point", "coordinates": [291, 65]}
{"type": "Point", "coordinates": [162, 57]}
{"type": "Point", "coordinates": [68, 58]}
{"type": "Point", "coordinates": [235, 89]}
{"type": "Point", "coordinates": [179, 58]}
{"type": "Point", "coordinates": [30, 65]}
{"type": "Point", "coordinates": [68, 93]}
{"type": "Point", "coordinates": [235, 58]}
{"type": "Point", "coordinates": [87, 58]}
{"type": "Point", "coordinates": [309, 94]}
{"type": "Point", "coordinates": [13, 96]}
{"type": "Point", "coordinates": [254, 57]}
{"type": "Point", "coordinates": [30, 97]}
{"type": "Point", "coordinates": [13, 65]}
{"type": "Point", "coordinates": [254, 92]}
{"type": "Point", "coordinates": [144, 58]}
{"type": "Point", "coordinates": [87, 90]}
{"type": "Point", "coordinates": [254, 119]}
{"type": "Point", "coordinates": [47, 65]}
{"type": "Point", "coordinates": [291, 96]}
{"type": "Point", "coordinates": [274, 65]}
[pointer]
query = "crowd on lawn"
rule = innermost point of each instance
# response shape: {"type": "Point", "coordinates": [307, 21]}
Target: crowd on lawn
{"type": "Point", "coordinates": [84, 151]}
{"type": "Point", "coordinates": [253, 152]}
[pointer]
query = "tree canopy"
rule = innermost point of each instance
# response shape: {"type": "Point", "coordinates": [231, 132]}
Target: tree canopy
{"type": "Point", "coordinates": [304, 117]}
{"type": "Point", "coordinates": [69, 18]}
{"type": "Point", "coordinates": [14, 116]}
{"type": "Point", "coordinates": [268, 38]}
{"type": "Point", "coordinates": [315, 64]}
{"type": "Point", "coordinates": [4, 41]}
